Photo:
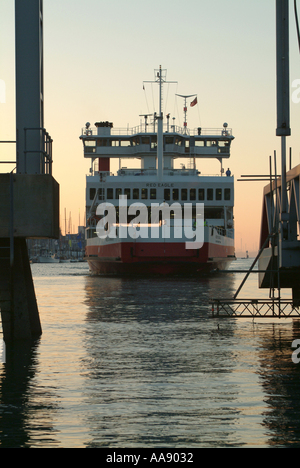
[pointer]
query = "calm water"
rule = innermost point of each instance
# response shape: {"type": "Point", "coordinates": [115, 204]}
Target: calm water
{"type": "Point", "coordinates": [141, 363]}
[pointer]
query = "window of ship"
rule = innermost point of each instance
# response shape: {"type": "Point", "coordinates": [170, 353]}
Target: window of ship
{"type": "Point", "coordinates": [101, 194]}
{"type": "Point", "coordinates": [169, 140]}
{"type": "Point", "coordinates": [153, 194]}
{"type": "Point", "coordinates": [127, 192]}
{"type": "Point", "coordinates": [118, 193]}
{"type": "Point", "coordinates": [192, 194]}
{"type": "Point", "coordinates": [227, 194]}
{"type": "Point", "coordinates": [210, 194]}
{"type": "Point", "coordinates": [218, 194]}
{"type": "Point", "coordinates": [175, 194]}
{"type": "Point", "coordinates": [110, 194]}
{"type": "Point", "coordinates": [125, 143]}
{"type": "Point", "coordinates": [213, 213]}
{"type": "Point", "coordinates": [103, 142]}
{"type": "Point", "coordinates": [90, 146]}
{"type": "Point", "coordinates": [153, 142]}
{"type": "Point", "coordinates": [167, 194]}
{"type": "Point", "coordinates": [211, 143]}
{"type": "Point", "coordinates": [223, 150]}
{"type": "Point", "coordinates": [136, 194]}
{"type": "Point", "coordinates": [134, 141]}
{"type": "Point", "coordinates": [184, 194]}
{"type": "Point", "coordinates": [199, 143]}
{"type": "Point", "coordinates": [144, 194]}
{"type": "Point", "coordinates": [178, 141]}
{"type": "Point", "coordinates": [145, 140]}
{"type": "Point", "coordinates": [201, 194]}
{"type": "Point", "coordinates": [92, 193]}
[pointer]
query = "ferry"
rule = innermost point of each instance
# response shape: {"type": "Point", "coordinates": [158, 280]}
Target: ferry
{"type": "Point", "coordinates": [133, 244]}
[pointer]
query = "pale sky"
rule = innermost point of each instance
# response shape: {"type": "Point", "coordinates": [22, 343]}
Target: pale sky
{"type": "Point", "coordinates": [98, 53]}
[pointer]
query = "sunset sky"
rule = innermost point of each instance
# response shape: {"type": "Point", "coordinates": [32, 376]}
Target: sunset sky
{"type": "Point", "coordinates": [97, 55]}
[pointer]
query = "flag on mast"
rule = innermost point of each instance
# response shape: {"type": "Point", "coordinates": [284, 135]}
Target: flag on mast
{"type": "Point", "coordinates": [194, 102]}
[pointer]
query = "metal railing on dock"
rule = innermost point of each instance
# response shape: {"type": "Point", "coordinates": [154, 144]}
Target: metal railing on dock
{"type": "Point", "coordinates": [274, 307]}
{"type": "Point", "coordinates": [45, 152]}
{"type": "Point", "coordinates": [6, 142]}
{"type": "Point", "coordinates": [251, 308]}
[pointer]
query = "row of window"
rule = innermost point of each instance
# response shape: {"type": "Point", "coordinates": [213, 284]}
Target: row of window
{"type": "Point", "coordinates": [168, 140]}
{"type": "Point", "coordinates": [174, 194]}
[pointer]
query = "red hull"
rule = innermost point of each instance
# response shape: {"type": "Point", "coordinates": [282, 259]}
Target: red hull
{"type": "Point", "coordinates": [157, 259]}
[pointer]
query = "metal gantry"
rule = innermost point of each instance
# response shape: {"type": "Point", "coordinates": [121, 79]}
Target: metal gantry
{"type": "Point", "coordinates": [254, 308]}
{"type": "Point", "coordinates": [279, 256]}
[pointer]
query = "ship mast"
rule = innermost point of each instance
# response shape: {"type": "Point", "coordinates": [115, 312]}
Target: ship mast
{"type": "Point", "coordinates": [160, 76]}
{"type": "Point", "coordinates": [160, 138]}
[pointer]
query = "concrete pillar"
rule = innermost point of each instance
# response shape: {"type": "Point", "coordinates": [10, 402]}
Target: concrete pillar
{"type": "Point", "coordinates": [29, 200]}
{"type": "Point", "coordinates": [19, 311]}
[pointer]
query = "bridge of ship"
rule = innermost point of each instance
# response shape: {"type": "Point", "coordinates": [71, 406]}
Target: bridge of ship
{"type": "Point", "coordinates": [179, 142]}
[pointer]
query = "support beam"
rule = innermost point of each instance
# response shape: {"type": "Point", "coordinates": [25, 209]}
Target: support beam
{"type": "Point", "coordinates": [29, 85]}
{"type": "Point", "coordinates": [283, 68]}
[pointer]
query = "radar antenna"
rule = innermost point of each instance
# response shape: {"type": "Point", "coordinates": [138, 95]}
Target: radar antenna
{"type": "Point", "coordinates": [185, 97]}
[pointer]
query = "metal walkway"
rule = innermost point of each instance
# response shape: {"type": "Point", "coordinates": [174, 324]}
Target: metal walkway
{"type": "Point", "coordinates": [251, 308]}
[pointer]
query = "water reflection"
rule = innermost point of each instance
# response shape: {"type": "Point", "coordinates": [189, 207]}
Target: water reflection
{"type": "Point", "coordinates": [25, 415]}
{"type": "Point", "coordinates": [158, 368]}
{"type": "Point", "coordinates": [280, 379]}
{"type": "Point", "coordinates": [141, 363]}
{"type": "Point", "coordinates": [153, 299]}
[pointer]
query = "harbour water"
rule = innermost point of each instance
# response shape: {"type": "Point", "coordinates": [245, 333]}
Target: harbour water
{"type": "Point", "coordinates": [132, 363]}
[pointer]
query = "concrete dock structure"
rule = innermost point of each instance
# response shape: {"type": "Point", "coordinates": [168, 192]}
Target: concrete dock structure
{"type": "Point", "coordinates": [29, 197]}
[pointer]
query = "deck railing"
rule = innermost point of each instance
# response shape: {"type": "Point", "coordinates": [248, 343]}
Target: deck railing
{"type": "Point", "coordinates": [45, 152]}
{"type": "Point", "coordinates": [151, 128]}
{"type": "Point", "coordinates": [6, 142]}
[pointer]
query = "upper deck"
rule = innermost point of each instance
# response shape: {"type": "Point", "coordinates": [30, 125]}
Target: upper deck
{"type": "Point", "coordinates": [104, 141]}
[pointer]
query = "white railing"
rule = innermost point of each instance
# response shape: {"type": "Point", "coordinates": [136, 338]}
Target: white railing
{"type": "Point", "coordinates": [148, 172]}
{"type": "Point", "coordinates": [152, 128]}
{"type": "Point", "coordinates": [153, 172]}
